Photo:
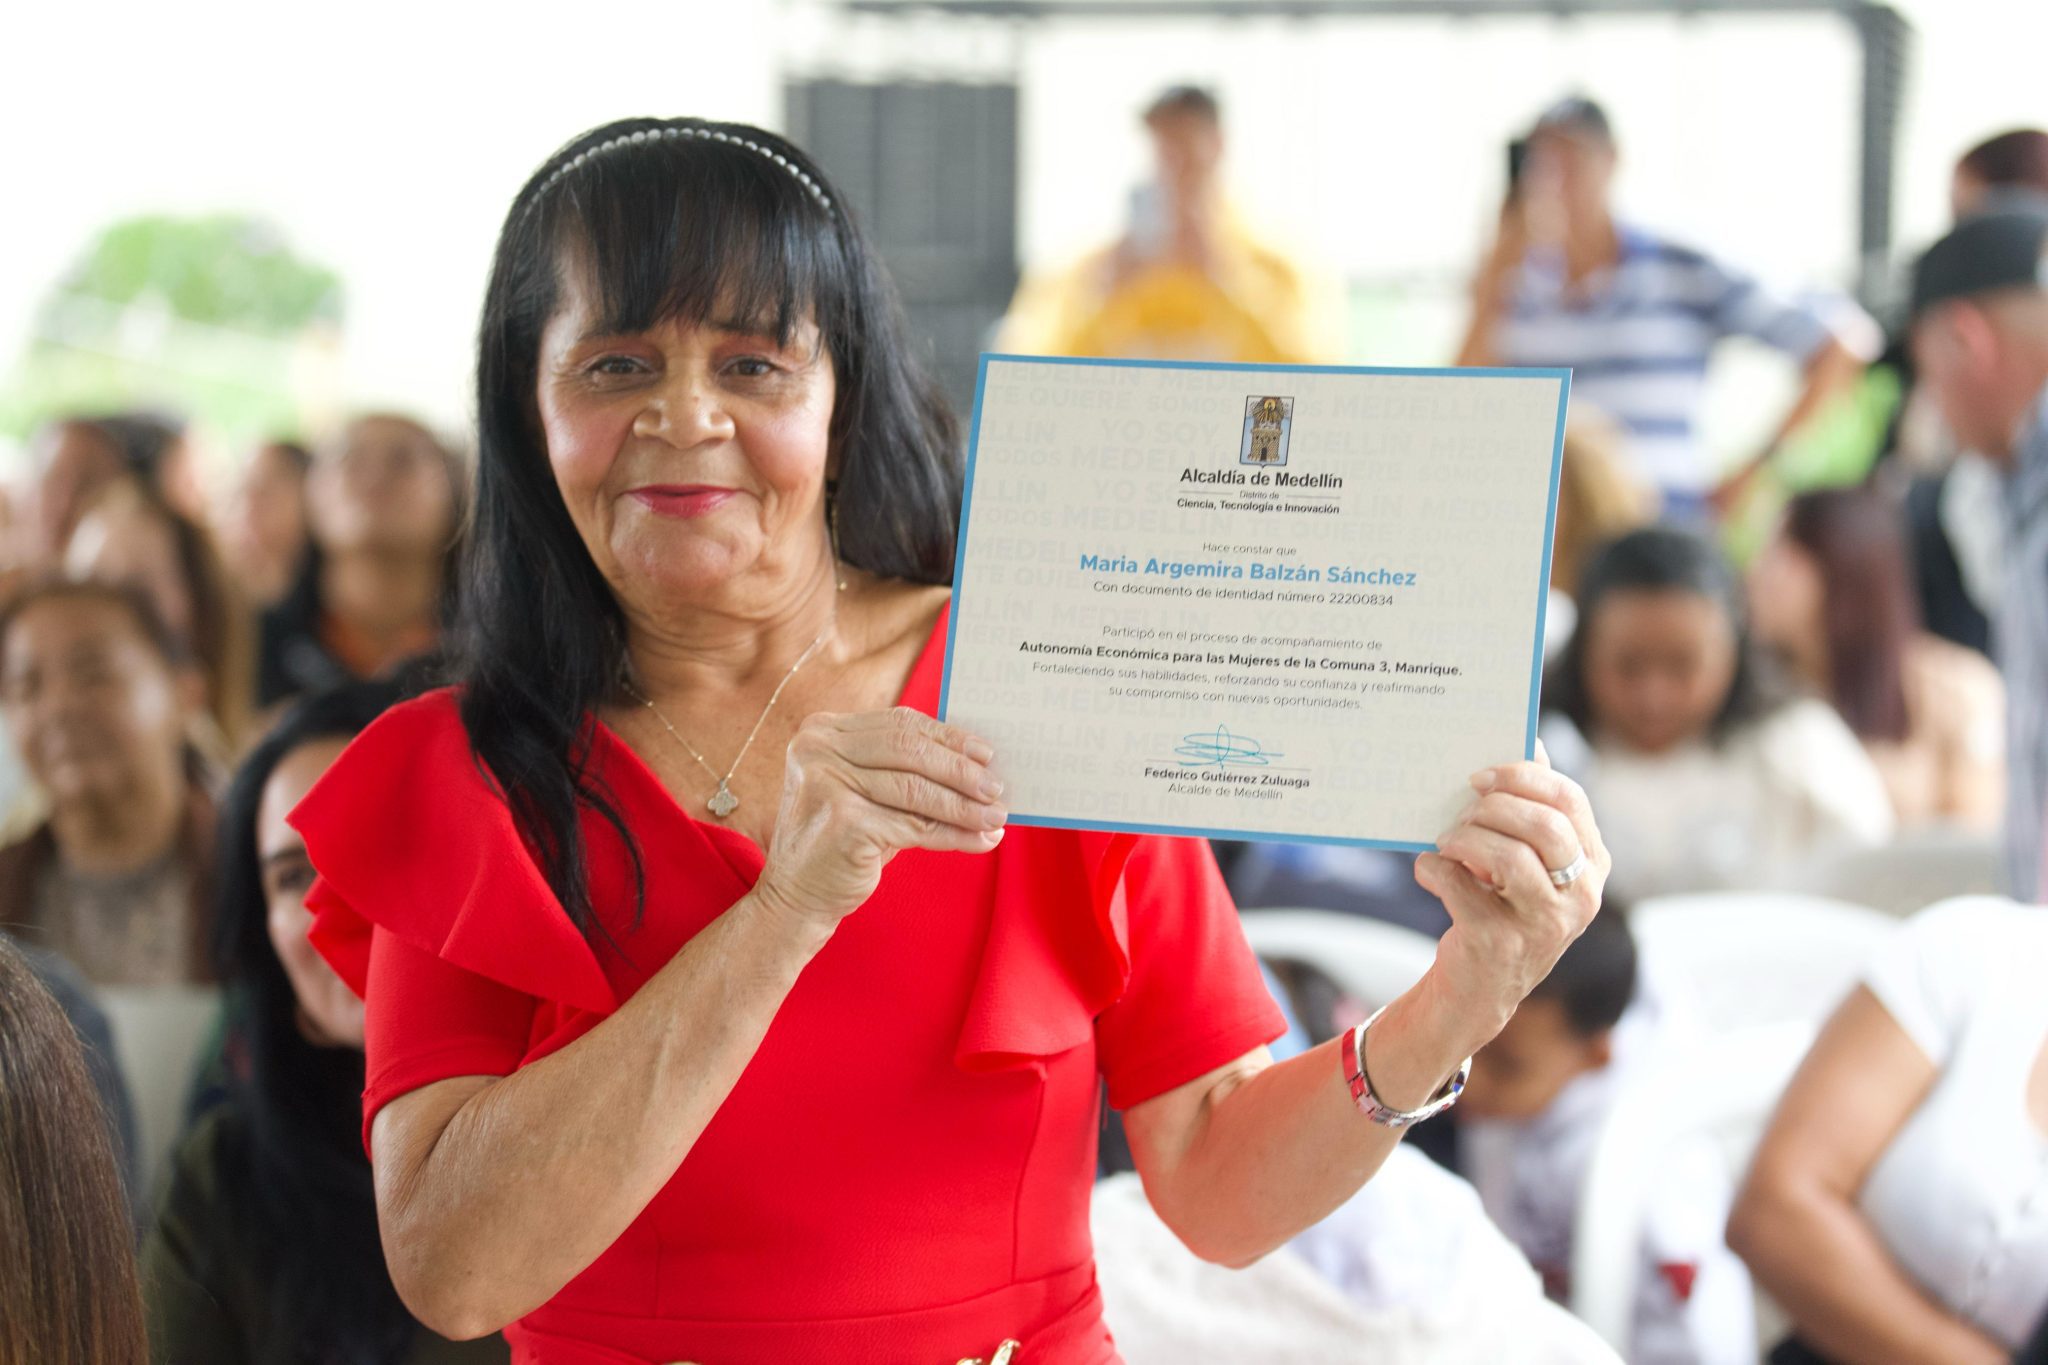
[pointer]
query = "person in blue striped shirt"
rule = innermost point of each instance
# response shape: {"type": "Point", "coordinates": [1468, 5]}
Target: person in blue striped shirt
{"type": "Point", "coordinates": [1636, 316]}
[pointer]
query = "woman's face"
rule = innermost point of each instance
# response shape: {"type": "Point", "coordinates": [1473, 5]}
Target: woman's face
{"type": "Point", "coordinates": [383, 486]}
{"type": "Point", "coordinates": [691, 457]}
{"type": "Point", "coordinates": [1658, 666]}
{"type": "Point", "coordinates": [266, 523]}
{"type": "Point", "coordinates": [330, 1014]}
{"type": "Point", "coordinates": [93, 707]}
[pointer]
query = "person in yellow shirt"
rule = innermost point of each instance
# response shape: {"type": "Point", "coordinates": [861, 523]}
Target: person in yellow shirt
{"type": "Point", "coordinates": [1185, 282]}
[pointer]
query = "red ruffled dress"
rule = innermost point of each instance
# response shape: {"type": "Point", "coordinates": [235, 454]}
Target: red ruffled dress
{"type": "Point", "coordinates": [902, 1173]}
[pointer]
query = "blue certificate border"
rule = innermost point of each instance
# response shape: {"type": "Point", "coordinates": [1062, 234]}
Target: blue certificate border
{"type": "Point", "coordinates": [1564, 388]}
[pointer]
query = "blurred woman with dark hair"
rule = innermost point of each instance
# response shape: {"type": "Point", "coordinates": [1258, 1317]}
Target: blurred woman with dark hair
{"type": "Point", "coordinates": [67, 1268]}
{"type": "Point", "coordinates": [264, 534]}
{"type": "Point", "coordinates": [136, 538]}
{"type": "Point", "coordinates": [1832, 594]}
{"type": "Point", "coordinates": [265, 1250]}
{"type": "Point", "coordinates": [99, 701]}
{"type": "Point", "coordinates": [1710, 776]}
{"type": "Point", "coordinates": [385, 503]}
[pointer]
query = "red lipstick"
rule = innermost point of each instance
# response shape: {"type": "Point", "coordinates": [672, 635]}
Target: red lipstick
{"type": "Point", "coordinates": [682, 500]}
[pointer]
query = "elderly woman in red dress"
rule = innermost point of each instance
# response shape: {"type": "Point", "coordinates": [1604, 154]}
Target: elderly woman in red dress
{"type": "Point", "coordinates": [713, 1013]}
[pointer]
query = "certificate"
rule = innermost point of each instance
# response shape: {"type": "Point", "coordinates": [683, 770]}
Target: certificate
{"type": "Point", "coordinates": [1253, 601]}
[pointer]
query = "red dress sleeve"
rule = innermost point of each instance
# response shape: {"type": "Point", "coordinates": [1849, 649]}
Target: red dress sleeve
{"type": "Point", "coordinates": [431, 906]}
{"type": "Point", "coordinates": [1195, 997]}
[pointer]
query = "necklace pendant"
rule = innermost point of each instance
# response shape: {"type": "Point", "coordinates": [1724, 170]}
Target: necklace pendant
{"type": "Point", "coordinates": [723, 802]}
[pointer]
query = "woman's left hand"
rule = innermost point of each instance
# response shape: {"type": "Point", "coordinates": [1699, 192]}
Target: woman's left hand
{"type": "Point", "coordinates": [1509, 922]}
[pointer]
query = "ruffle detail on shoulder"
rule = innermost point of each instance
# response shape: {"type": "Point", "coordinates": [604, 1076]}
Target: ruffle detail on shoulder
{"type": "Point", "coordinates": [1058, 949]}
{"type": "Point", "coordinates": [408, 835]}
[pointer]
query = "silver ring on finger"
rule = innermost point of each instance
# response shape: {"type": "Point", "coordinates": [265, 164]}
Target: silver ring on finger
{"type": "Point", "coordinates": [1571, 871]}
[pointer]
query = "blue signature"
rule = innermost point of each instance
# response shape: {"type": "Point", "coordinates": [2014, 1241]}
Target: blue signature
{"type": "Point", "coordinates": [1222, 749]}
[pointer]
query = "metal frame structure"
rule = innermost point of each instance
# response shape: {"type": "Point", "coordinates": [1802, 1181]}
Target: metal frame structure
{"type": "Point", "coordinates": [1884, 40]}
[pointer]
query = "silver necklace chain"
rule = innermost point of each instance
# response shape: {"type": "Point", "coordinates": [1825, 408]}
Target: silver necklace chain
{"type": "Point", "coordinates": [722, 802]}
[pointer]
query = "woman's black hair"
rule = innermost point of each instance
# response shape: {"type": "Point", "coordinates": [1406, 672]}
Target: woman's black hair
{"type": "Point", "coordinates": [1663, 559]}
{"type": "Point", "coordinates": [292, 1168]}
{"type": "Point", "coordinates": [692, 225]}
{"type": "Point", "coordinates": [144, 440]}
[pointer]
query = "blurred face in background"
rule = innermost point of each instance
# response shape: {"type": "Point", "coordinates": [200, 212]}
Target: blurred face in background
{"type": "Point", "coordinates": [1522, 1071]}
{"type": "Point", "coordinates": [1982, 358]}
{"type": "Point", "coordinates": [330, 1015]}
{"type": "Point", "coordinates": [383, 486]}
{"type": "Point", "coordinates": [265, 530]}
{"type": "Point", "coordinates": [94, 708]}
{"type": "Point", "coordinates": [1658, 666]}
{"type": "Point", "coordinates": [1787, 596]}
{"type": "Point", "coordinates": [1575, 167]}
{"type": "Point", "coordinates": [1187, 148]}
{"type": "Point", "coordinates": [74, 464]}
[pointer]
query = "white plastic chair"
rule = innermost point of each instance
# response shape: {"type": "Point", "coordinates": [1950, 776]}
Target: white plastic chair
{"type": "Point", "coordinates": [1368, 958]}
{"type": "Point", "coordinates": [1757, 957]}
{"type": "Point", "coordinates": [1910, 873]}
{"type": "Point", "coordinates": [159, 1032]}
{"type": "Point", "coordinates": [1723, 1088]}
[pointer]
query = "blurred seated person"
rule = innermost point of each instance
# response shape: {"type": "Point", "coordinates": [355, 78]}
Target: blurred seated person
{"type": "Point", "coordinates": [67, 1259]}
{"type": "Point", "coordinates": [265, 1250]}
{"type": "Point", "coordinates": [264, 532]}
{"type": "Point", "coordinates": [1410, 1264]}
{"type": "Point", "coordinates": [1407, 1272]}
{"type": "Point", "coordinates": [134, 538]}
{"type": "Point", "coordinates": [1636, 316]}
{"type": "Point", "coordinates": [1832, 596]}
{"type": "Point", "coordinates": [384, 502]}
{"type": "Point", "coordinates": [1525, 1132]}
{"type": "Point", "coordinates": [1897, 1209]}
{"type": "Point", "coordinates": [1185, 282]}
{"type": "Point", "coordinates": [99, 700]}
{"type": "Point", "coordinates": [1708, 775]}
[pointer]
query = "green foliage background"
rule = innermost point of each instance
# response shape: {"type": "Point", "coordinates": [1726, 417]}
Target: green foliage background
{"type": "Point", "coordinates": [208, 316]}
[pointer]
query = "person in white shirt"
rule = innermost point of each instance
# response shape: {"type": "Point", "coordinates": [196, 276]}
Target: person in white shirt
{"type": "Point", "coordinates": [1898, 1205]}
{"type": "Point", "coordinates": [1708, 775]}
{"type": "Point", "coordinates": [1526, 1128]}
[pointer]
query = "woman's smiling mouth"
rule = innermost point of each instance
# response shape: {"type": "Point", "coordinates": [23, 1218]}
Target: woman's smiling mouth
{"type": "Point", "coordinates": [682, 500]}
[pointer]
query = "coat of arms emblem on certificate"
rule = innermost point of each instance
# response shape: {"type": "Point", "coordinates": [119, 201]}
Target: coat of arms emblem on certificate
{"type": "Point", "coordinates": [1267, 423]}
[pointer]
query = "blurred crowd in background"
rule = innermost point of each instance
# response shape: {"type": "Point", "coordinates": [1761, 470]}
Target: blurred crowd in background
{"type": "Point", "coordinates": [1811, 697]}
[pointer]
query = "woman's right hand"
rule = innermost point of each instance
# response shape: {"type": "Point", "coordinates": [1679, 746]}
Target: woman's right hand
{"type": "Point", "coordinates": [857, 789]}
